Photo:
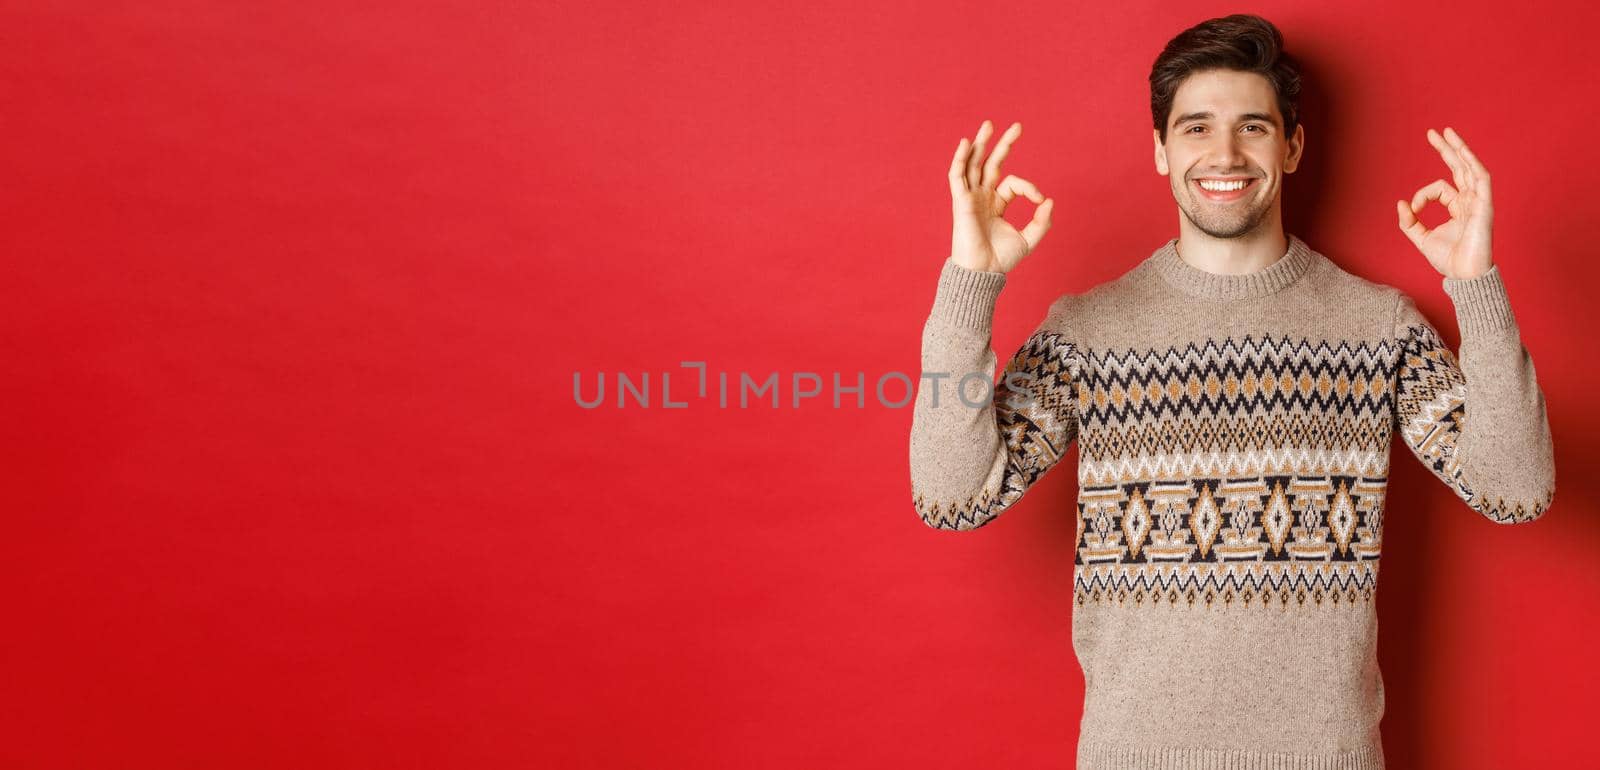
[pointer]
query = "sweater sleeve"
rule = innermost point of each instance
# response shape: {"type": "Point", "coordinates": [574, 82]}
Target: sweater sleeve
{"type": "Point", "coordinates": [1501, 460]}
{"type": "Point", "coordinates": [978, 444]}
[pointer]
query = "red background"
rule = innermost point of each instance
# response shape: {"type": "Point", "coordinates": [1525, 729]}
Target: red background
{"type": "Point", "coordinates": [295, 296]}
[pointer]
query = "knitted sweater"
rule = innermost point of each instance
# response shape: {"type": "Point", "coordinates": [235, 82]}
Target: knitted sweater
{"type": "Point", "coordinates": [1233, 438]}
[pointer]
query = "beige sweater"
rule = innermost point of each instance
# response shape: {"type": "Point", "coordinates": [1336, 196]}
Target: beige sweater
{"type": "Point", "coordinates": [1233, 437]}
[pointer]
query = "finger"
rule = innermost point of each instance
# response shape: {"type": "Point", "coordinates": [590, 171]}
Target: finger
{"type": "Point", "coordinates": [1467, 170]}
{"type": "Point", "coordinates": [974, 163]}
{"type": "Point", "coordinates": [1039, 225]}
{"type": "Point", "coordinates": [958, 167]}
{"type": "Point", "coordinates": [1449, 155]}
{"type": "Point", "coordinates": [991, 170]}
{"type": "Point", "coordinates": [1480, 180]}
{"type": "Point", "coordinates": [1410, 225]}
{"type": "Point", "coordinates": [1438, 190]}
{"type": "Point", "coordinates": [1466, 180]}
{"type": "Point", "coordinates": [1008, 189]}
{"type": "Point", "coordinates": [1480, 174]}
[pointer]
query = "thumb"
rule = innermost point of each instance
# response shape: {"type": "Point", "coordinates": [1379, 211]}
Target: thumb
{"type": "Point", "coordinates": [1040, 224]}
{"type": "Point", "coordinates": [1410, 225]}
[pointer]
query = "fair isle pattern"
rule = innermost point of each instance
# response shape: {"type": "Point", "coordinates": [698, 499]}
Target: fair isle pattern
{"type": "Point", "coordinates": [1242, 585]}
{"type": "Point", "coordinates": [1233, 472]}
{"type": "Point", "coordinates": [1280, 539]}
{"type": "Point", "coordinates": [1431, 397]}
{"type": "Point", "coordinates": [1229, 471]}
{"type": "Point", "coordinates": [1036, 424]}
{"type": "Point", "coordinates": [1230, 414]}
{"type": "Point", "coordinates": [1234, 408]}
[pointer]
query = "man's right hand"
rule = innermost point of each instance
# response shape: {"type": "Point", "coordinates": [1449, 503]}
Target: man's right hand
{"type": "Point", "coordinates": [982, 239]}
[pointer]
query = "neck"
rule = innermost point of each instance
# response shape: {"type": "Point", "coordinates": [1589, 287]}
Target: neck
{"type": "Point", "coordinates": [1295, 261]}
{"type": "Point", "coordinates": [1248, 253]}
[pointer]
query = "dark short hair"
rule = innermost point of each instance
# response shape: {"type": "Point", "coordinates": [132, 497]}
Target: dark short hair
{"type": "Point", "coordinates": [1242, 42]}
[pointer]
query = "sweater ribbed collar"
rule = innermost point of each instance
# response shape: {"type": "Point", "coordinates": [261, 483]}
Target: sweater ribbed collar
{"type": "Point", "coordinates": [1195, 282]}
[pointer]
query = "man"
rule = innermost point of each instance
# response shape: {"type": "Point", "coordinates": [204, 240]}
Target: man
{"type": "Point", "coordinates": [1234, 398]}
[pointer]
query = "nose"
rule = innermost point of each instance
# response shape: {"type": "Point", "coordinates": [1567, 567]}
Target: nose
{"type": "Point", "coordinates": [1228, 154]}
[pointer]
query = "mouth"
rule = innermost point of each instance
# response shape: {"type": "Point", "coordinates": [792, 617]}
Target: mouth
{"type": "Point", "coordinates": [1225, 196]}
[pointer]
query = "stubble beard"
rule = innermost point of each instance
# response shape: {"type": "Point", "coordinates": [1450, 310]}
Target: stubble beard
{"type": "Point", "coordinates": [1224, 220]}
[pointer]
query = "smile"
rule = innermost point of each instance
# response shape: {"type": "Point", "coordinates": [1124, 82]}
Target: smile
{"type": "Point", "coordinates": [1224, 196]}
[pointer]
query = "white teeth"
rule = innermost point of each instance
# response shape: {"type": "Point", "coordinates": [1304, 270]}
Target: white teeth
{"type": "Point", "coordinates": [1224, 186]}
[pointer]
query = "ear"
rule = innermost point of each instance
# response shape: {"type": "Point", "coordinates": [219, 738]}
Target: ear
{"type": "Point", "coordinates": [1297, 145]}
{"type": "Point", "coordinates": [1161, 151]}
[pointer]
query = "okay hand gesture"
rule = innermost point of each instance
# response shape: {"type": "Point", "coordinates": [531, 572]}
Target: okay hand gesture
{"type": "Point", "coordinates": [1460, 247]}
{"type": "Point", "coordinates": [981, 238]}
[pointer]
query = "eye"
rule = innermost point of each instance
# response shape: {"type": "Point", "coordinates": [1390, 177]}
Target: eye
{"type": "Point", "coordinates": [1254, 126]}
{"type": "Point", "coordinates": [1193, 129]}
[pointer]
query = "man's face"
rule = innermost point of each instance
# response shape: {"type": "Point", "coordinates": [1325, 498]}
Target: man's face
{"type": "Point", "coordinates": [1225, 124]}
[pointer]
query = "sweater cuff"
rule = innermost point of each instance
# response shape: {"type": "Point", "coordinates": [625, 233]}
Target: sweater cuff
{"type": "Point", "coordinates": [1481, 303]}
{"type": "Point", "coordinates": [965, 298]}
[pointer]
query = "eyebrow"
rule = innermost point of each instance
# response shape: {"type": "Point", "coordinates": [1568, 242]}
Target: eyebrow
{"type": "Point", "coordinates": [1248, 116]}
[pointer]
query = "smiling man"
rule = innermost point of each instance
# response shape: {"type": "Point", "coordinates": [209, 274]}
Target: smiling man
{"type": "Point", "coordinates": [1229, 151]}
{"type": "Point", "coordinates": [1234, 398]}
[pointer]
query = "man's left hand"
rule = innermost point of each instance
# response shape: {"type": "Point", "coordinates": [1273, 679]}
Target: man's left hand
{"type": "Point", "coordinates": [1460, 247]}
